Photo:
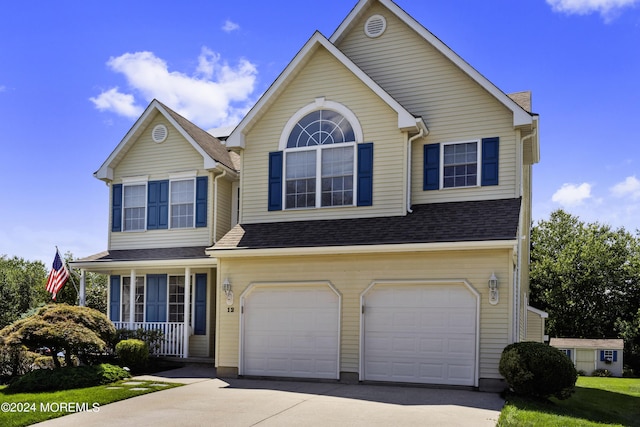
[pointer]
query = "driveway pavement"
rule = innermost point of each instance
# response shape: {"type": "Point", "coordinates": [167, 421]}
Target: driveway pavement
{"type": "Point", "coordinates": [209, 401]}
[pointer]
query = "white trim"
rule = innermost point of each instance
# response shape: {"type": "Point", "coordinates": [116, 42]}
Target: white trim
{"type": "Point", "coordinates": [425, 282]}
{"type": "Point", "coordinates": [406, 121]}
{"type": "Point", "coordinates": [191, 178]}
{"type": "Point", "coordinates": [520, 116]}
{"type": "Point", "coordinates": [105, 172]}
{"type": "Point", "coordinates": [288, 284]}
{"type": "Point", "coordinates": [123, 221]}
{"type": "Point", "coordinates": [540, 313]}
{"type": "Point", "coordinates": [132, 180]}
{"type": "Point", "coordinates": [106, 266]}
{"type": "Point", "coordinates": [321, 104]}
{"type": "Point", "coordinates": [361, 249]}
{"type": "Point", "coordinates": [478, 143]}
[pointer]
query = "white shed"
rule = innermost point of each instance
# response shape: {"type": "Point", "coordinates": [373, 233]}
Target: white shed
{"type": "Point", "coordinates": [591, 354]}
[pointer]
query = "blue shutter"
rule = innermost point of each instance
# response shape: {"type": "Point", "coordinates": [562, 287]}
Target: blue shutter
{"type": "Point", "coordinates": [116, 208]}
{"type": "Point", "coordinates": [365, 174]}
{"type": "Point", "coordinates": [431, 179]}
{"type": "Point", "coordinates": [275, 181]}
{"type": "Point", "coordinates": [200, 308]}
{"type": "Point", "coordinates": [602, 355]}
{"type": "Point", "coordinates": [569, 354]}
{"type": "Point", "coordinates": [157, 205]}
{"type": "Point", "coordinates": [202, 185]}
{"type": "Point", "coordinates": [490, 160]}
{"type": "Point", "coordinates": [114, 299]}
{"type": "Point", "coordinates": [156, 305]}
{"type": "Point", "coordinates": [615, 355]}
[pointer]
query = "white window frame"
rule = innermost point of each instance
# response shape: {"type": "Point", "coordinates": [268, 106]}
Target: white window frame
{"type": "Point", "coordinates": [608, 355]}
{"type": "Point", "coordinates": [191, 298]}
{"type": "Point", "coordinates": [478, 143]}
{"type": "Point", "coordinates": [321, 104]}
{"type": "Point", "coordinates": [177, 177]}
{"type": "Point", "coordinates": [318, 176]}
{"type": "Point", "coordinates": [125, 301]}
{"type": "Point", "coordinates": [133, 182]}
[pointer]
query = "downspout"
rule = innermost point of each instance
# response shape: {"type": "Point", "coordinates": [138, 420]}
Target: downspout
{"type": "Point", "coordinates": [214, 237]}
{"type": "Point", "coordinates": [518, 290]}
{"type": "Point", "coordinates": [409, 165]}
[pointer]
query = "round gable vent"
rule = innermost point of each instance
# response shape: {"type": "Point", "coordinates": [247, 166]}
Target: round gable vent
{"type": "Point", "coordinates": [159, 133]}
{"type": "Point", "coordinates": [375, 26]}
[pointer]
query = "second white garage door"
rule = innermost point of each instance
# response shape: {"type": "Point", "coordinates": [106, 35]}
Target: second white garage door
{"type": "Point", "coordinates": [291, 332]}
{"type": "Point", "coordinates": [420, 334]}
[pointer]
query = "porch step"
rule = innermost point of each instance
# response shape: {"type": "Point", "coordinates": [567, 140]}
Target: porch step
{"type": "Point", "coordinates": [205, 361]}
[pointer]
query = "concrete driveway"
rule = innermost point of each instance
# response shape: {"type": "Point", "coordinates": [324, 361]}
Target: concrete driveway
{"type": "Point", "coordinates": [209, 401]}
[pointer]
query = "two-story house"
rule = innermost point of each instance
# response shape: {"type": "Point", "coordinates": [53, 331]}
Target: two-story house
{"type": "Point", "coordinates": [384, 206]}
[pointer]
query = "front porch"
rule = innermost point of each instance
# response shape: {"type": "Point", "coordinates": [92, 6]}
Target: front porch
{"type": "Point", "coordinates": [173, 342]}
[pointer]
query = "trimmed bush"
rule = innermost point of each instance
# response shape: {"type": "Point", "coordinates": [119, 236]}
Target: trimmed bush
{"type": "Point", "coordinates": [67, 378]}
{"type": "Point", "coordinates": [133, 353]}
{"type": "Point", "coordinates": [601, 373]}
{"type": "Point", "coordinates": [538, 370]}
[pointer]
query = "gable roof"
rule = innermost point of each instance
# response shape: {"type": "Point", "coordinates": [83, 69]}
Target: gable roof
{"type": "Point", "coordinates": [520, 116]}
{"type": "Point", "coordinates": [586, 343]}
{"type": "Point", "coordinates": [473, 221]}
{"type": "Point", "coordinates": [406, 120]}
{"type": "Point", "coordinates": [209, 147]}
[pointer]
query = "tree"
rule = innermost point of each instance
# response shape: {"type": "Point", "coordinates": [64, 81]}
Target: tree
{"type": "Point", "coordinates": [61, 327]}
{"type": "Point", "coordinates": [586, 276]}
{"type": "Point", "coordinates": [22, 287]}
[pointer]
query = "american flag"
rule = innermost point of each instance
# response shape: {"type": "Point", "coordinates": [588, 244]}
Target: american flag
{"type": "Point", "coordinates": [58, 276]}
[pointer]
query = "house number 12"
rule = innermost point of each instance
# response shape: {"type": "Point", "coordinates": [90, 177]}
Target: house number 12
{"type": "Point", "coordinates": [230, 309]}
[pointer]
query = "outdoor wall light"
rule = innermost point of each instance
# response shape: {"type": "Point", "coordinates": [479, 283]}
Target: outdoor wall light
{"type": "Point", "coordinates": [493, 289]}
{"type": "Point", "coordinates": [226, 287]}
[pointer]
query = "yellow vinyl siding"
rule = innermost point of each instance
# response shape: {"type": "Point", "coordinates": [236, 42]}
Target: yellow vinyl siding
{"type": "Point", "coordinates": [454, 107]}
{"type": "Point", "coordinates": [223, 208]}
{"type": "Point", "coordinates": [325, 77]}
{"type": "Point", "coordinates": [534, 327]}
{"type": "Point", "coordinates": [352, 274]}
{"type": "Point", "coordinates": [158, 161]}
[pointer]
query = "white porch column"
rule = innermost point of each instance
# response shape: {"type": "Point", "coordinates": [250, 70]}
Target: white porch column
{"type": "Point", "coordinates": [82, 299]}
{"type": "Point", "coordinates": [187, 311]}
{"type": "Point", "coordinates": [132, 298]}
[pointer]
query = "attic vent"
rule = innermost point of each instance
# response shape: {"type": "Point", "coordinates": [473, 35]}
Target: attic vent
{"type": "Point", "coordinates": [375, 26]}
{"type": "Point", "coordinates": [159, 133]}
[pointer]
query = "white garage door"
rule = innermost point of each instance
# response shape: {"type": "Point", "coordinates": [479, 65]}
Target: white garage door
{"type": "Point", "coordinates": [420, 334]}
{"type": "Point", "coordinates": [291, 332]}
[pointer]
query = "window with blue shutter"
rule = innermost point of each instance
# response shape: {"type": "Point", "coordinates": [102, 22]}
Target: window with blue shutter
{"type": "Point", "coordinates": [114, 298]}
{"type": "Point", "coordinates": [431, 178]}
{"type": "Point", "coordinates": [602, 355]}
{"type": "Point", "coordinates": [158, 205]}
{"type": "Point", "coordinates": [490, 161]}
{"type": "Point", "coordinates": [275, 181]}
{"type": "Point", "coordinates": [615, 355]}
{"type": "Point", "coordinates": [116, 207]}
{"type": "Point", "coordinates": [156, 304]}
{"type": "Point", "coordinates": [365, 174]}
{"type": "Point", "coordinates": [202, 185]}
{"type": "Point", "coordinates": [200, 308]}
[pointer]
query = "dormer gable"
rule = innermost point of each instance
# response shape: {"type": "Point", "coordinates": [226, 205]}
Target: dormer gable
{"type": "Point", "coordinates": [363, 7]}
{"type": "Point", "coordinates": [214, 153]}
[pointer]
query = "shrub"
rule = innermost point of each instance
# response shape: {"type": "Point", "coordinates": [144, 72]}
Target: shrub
{"type": "Point", "coordinates": [133, 353]}
{"type": "Point", "coordinates": [538, 370]}
{"type": "Point", "coordinates": [601, 373]}
{"type": "Point", "coordinates": [67, 378]}
{"type": "Point", "coordinates": [153, 337]}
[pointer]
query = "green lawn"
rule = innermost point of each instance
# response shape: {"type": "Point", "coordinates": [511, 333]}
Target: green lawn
{"type": "Point", "coordinates": [22, 409]}
{"type": "Point", "coordinates": [596, 402]}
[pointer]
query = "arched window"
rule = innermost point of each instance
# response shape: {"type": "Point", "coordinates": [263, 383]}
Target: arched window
{"type": "Point", "coordinates": [319, 161]}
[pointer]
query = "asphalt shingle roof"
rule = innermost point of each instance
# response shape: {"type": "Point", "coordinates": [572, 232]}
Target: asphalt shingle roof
{"type": "Point", "coordinates": [429, 223]}
{"type": "Point", "coordinates": [148, 254]}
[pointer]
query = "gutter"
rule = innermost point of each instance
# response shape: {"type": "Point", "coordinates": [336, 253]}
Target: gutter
{"type": "Point", "coordinates": [214, 231]}
{"type": "Point", "coordinates": [420, 134]}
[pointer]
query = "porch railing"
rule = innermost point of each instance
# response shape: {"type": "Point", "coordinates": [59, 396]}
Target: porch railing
{"type": "Point", "coordinates": [172, 343]}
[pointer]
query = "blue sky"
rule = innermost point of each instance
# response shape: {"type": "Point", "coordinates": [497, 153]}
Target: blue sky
{"type": "Point", "coordinates": [75, 75]}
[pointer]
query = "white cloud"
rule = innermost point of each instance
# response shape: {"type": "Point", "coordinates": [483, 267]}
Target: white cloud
{"type": "Point", "coordinates": [629, 188]}
{"type": "Point", "coordinates": [571, 194]}
{"type": "Point", "coordinates": [608, 9]}
{"type": "Point", "coordinates": [2, 88]}
{"type": "Point", "coordinates": [120, 103]}
{"type": "Point", "coordinates": [217, 94]}
{"type": "Point", "coordinates": [230, 26]}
